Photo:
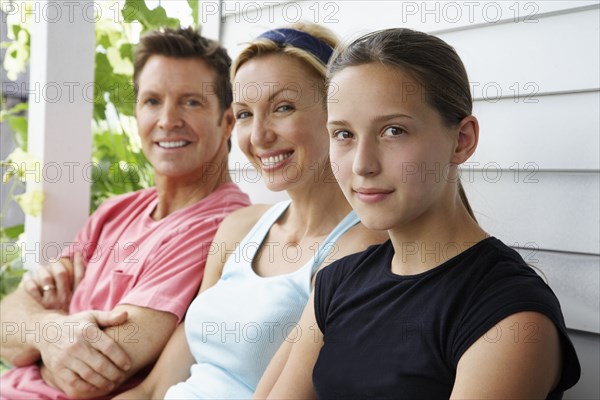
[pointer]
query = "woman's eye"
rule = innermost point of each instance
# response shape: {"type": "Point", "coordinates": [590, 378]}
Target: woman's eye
{"type": "Point", "coordinates": [393, 131]}
{"type": "Point", "coordinates": [342, 135]}
{"type": "Point", "coordinates": [242, 115]}
{"type": "Point", "coordinates": [284, 108]}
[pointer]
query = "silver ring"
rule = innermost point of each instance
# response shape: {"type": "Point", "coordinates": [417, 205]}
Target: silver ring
{"type": "Point", "coordinates": [47, 288]}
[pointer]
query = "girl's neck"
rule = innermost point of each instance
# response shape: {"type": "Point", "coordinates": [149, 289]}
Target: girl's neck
{"type": "Point", "coordinates": [433, 239]}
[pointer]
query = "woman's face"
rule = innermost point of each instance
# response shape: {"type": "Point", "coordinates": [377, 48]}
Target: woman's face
{"type": "Point", "coordinates": [391, 153]}
{"type": "Point", "coordinates": [280, 120]}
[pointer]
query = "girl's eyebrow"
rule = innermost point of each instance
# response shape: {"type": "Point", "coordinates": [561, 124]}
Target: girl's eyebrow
{"type": "Point", "coordinates": [377, 119]}
{"type": "Point", "coordinates": [384, 118]}
{"type": "Point", "coordinates": [338, 123]}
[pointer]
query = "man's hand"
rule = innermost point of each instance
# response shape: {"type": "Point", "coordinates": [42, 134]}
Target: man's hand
{"type": "Point", "coordinates": [78, 356]}
{"type": "Point", "coordinates": [53, 285]}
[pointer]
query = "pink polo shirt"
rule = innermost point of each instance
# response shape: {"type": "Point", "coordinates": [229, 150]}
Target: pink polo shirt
{"type": "Point", "coordinates": [133, 259]}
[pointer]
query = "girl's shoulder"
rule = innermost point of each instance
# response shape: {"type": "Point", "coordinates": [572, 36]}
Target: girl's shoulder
{"type": "Point", "coordinates": [356, 240]}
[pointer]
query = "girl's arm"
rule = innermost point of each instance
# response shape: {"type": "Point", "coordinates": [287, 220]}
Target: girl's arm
{"type": "Point", "coordinates": [294, 380]}
{"type": "Point", "coordinates": [520, 357]}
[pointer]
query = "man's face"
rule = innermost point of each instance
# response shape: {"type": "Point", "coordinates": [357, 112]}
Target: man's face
{"type": "Point", "coordinates": [182, 128]}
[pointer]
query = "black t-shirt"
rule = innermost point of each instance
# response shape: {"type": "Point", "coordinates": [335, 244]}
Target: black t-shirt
{"type": "Point", "coordinates": [389, 336]}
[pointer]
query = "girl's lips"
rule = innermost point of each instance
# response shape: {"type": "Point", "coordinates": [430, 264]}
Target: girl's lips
{"type": "Point", "coordinates": [372, 195]}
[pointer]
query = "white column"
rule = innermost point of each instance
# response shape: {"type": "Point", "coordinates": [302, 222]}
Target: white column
{"type": "Point", "coordinates": [60, 127]}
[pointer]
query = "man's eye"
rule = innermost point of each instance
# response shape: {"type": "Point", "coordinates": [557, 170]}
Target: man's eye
{"type": "Point", "coordinates": [193, 103]}
{"type": "Point", "coordinates": [151, 102]}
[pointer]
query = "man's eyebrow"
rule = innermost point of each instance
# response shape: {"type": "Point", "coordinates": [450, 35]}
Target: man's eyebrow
{"type": "Point", "coordinates": [150, 92]}
{"type": "Point", "coordinates": [202, 96]}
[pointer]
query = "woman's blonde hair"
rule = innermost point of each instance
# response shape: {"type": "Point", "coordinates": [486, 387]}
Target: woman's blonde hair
{"type": "Point", "coordinates": [261, 46]}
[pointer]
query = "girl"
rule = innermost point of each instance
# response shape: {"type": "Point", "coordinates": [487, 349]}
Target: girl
{"type": "Point", "coordinates": [441, 310]}
{"type": "Point", "coordinates": [259, 276]}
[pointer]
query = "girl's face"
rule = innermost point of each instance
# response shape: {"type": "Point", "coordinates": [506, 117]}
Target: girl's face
{"type": "Point", "coordinates": [391, 153]}
{"type": "Point", "coordinates": [281, 120]}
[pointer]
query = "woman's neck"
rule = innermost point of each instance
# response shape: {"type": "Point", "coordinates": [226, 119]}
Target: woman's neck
{"type": "Point", "coordinates": [315, 210]}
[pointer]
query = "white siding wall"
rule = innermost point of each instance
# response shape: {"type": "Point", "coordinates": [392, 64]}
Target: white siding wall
{"type": "Point", "coordinates": [535, 179]}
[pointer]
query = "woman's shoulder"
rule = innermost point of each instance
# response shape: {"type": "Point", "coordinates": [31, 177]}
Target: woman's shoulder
{"type": "Point", "coordinates": [237, 224]}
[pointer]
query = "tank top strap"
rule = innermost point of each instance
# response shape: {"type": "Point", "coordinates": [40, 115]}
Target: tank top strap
{"type": "Point", "coordinates": [330, 242]}
{"type": "Point", "coordinates": [247, 248]}
{"type": "Point", "coordinates": [260, 230]}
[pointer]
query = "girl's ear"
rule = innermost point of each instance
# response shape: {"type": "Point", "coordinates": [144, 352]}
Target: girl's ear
{"type": "Point", "coordinates": [468, 137]}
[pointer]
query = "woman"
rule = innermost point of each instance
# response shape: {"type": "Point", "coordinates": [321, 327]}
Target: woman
{"type": "Point", "coordinates": [250, 301]}
{"type": "Point", "coordinates": [441, 310]}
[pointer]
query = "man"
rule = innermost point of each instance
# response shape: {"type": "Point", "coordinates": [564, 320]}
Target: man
{"type": "Point", "coordinates": [140, 257]}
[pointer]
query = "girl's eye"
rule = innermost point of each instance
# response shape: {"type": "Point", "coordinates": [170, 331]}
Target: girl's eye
{"type": "Point", "coordinates": [242, 115]}
{"type": "Point", "coordinates": [393, 131]}
{"type": "Point", "coordinates": [284, 108]}
{"type": "Point", "coordinates": [342, 135]}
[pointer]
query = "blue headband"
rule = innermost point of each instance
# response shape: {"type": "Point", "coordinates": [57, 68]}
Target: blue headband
{"type": "Point", "coordinates": [301, 40]}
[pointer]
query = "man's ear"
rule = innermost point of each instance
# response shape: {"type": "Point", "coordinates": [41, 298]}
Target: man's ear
{"type": "Point", "coordinates": [227, 122]}
{"type": "Point", "coordinates": [468, 137]}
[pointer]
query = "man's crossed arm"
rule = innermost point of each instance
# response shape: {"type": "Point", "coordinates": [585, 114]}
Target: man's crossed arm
{"type": "Point", "coordinates": [87, 354]}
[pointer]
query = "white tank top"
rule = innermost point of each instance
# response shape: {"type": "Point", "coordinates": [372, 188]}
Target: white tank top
{"type": "Point", "coordinates": [234, 328]}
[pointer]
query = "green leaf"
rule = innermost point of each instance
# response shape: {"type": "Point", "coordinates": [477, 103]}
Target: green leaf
{"type": "Point", "coordinates": [137, 10]}
{"type": "Point", "coordinates": [195, 5]}
{"type": "Point", "coordinates": [16, 29]}
{"type": "Point", "coordinates": [18, 124]}
{"type": "Point", "coordinates": [17, 109]}
{"type": "Point", "coordinates": [103, 40]}
{"type": "Point", "coordinates": [13, 232]}
{"type": "Point", "coordinates": [126, 51]}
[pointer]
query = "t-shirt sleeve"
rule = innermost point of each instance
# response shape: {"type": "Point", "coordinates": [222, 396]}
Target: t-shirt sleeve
{"type": "Point", "coordinates": [327, 282]}
{"type": "Point", "coordinates": [171, 278]}
{"type": "Point", "coordinates": [507, 296]}
{"type": "Point", "coordinates": [323, 292]}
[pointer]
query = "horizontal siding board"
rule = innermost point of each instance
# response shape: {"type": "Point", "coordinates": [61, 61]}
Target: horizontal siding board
{"type": "Point", "coordinates": [555, 211]}
{"type": "Point", "coordinates": [575, 279]}
{"type": "Point", "coordinates": [547, 133]}
{"type": "Point", "coordinates": [351, 16]}
{"type": "Point", "coordinates": [556, 54]}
